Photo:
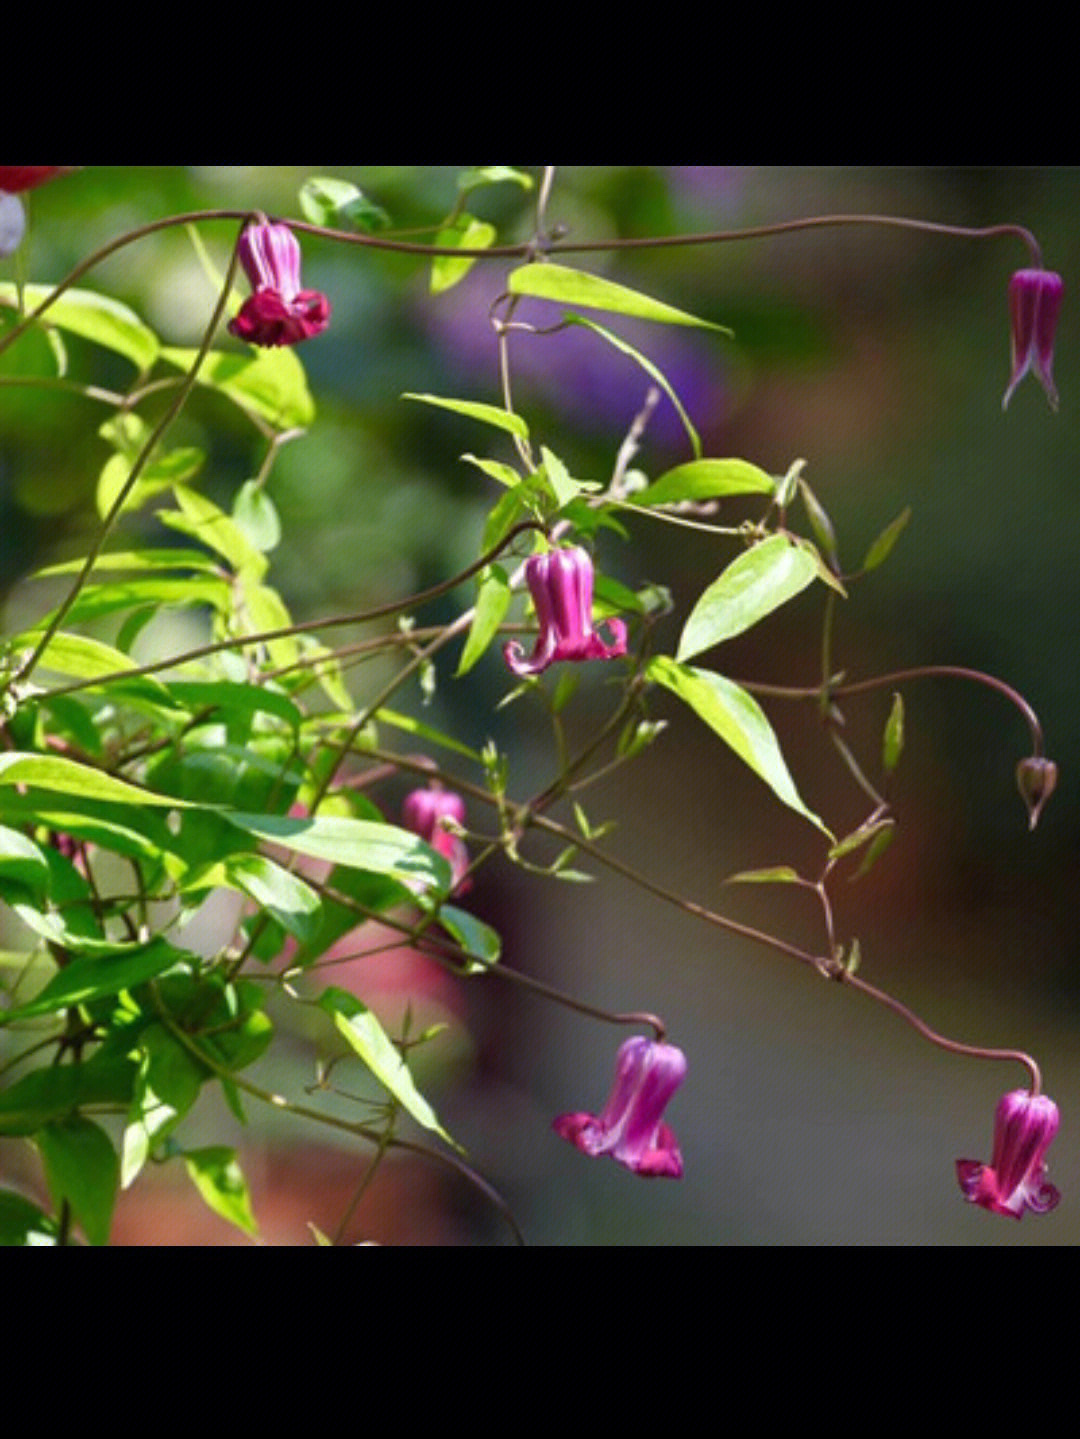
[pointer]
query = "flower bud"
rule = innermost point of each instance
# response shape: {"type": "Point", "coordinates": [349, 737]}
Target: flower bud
{"type": "Point", "coordinates": [561, 585]}
{"type": "Point", "coordinates": [1015, 1178]}
{"type": "Point", "coordinates": [1037, 779]}
{"type": "Point", "coordinates": [1034, 305]}
{"type": "Point", "coordinates": [279, 312]}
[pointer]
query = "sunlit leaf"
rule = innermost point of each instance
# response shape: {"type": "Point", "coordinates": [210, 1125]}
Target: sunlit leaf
{"type": "Point", "coordinates": [467, 233]}
{"type": "Point", "coordinates": [474, 410]}
{"type": "Point", "coordinates": [755, 583]}
{"type": "Point", "coordinates": [705, 480]}
{"type": "Point", "coordinates": [367, 1038]}
{"type": "Point", "coordinates": [492, 603]}
{"type": "Point", "coordinates": [216, 1174]}
{"type": "Point", "coordinates": [574, 287]}
{"type": "Point", "coordinates": [339, 205]}
{"type": "Point", "coordinates": [94, 317]}
{"type": "Point", "coordinates": [269, 382]}
{"type": "Point", "coordinates": [737, 718]}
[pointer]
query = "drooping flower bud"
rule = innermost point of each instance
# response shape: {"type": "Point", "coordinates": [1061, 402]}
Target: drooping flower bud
{"type": "Point", "coordinates": [425, 812]}
{"type": "Point", "coordinates": [1034, 305]}
{"type": "Point", "coordinates": [279, 312]}
{"type": "Point", "coordinates": [561, 585]}
{"type": "Point", "coordinates": [1014, 1180]}
{"type": "Point", "coordinates": [1037, 779]}
{"type": "Point", "coordinates": [630, 1127]}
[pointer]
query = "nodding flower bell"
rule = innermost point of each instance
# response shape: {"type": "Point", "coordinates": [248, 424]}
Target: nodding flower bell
{"type": "Point", "coordinates": [630, 1127]}
{"type": "Point", "coordinates": [424, 812]}
{"type": "Point", "coordinates": [1034, 305]}
{"type": "Point", "coordinates": [1037, 779]}
{"type": "Point", "coordinates": [561, 585]}
{"type": "Point", "coordinates": [278, 312]}
{"type": "Point", "coordinates": [1014, 1180]}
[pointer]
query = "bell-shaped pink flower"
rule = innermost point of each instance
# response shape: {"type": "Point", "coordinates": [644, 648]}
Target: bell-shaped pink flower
{"type": "Point", "coordinates": [279, 312]}
{"type": "Point", "coordinates": [425, 812]}
{"type": "Point", "coordinates": [1014, 1180]}
{"type": "Point", "coordinates": [561, 585]}
{"type": "Point", "coordinates": [630, 1126]}
{"type": "Point", "coordinates": [1034, 305]}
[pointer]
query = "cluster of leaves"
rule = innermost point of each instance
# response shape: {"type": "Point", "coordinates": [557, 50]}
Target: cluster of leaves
{"type": "Point", "coordinates": [131, 791]}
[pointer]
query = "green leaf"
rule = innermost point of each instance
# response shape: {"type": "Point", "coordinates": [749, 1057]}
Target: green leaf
{"type": "Point", "coordinates": [337, 204]}
{"type": "Point", "coordinates": [367, 1038]}
{"type": "Point", "coordinates": [285, 896]}
{"type": "Point", "coordinates": [492, 603]}
{"type": "Point", "coordinates": [496, 470]}
{"type": "Point", "coordinates": [574, 287]}
{"type": "Point", "coordinates": [270, 383]}
{"type": "Point", "coordinates": [216, 1174]}
{"type": "Point", "coordinates": [738, 719]}
{"type": "Point", "coordinates": [81, 1167]}
{"type": "Point", "coordinates": [875, 849]}
{"type": "Point", "coordinates": [21, 860]}
{"type": "Point", "coordinates": [466, 233]}
{"type": "Point", "coordinates": [650, 369]}
{"type": "Point", "coordinates": [882, 547]}
{"type": "Point", "coordinates": [24, 1224]}
{"type": "Point", "coordinates": [46, 1095]}
{"type": "Point", "coordinates": [778, 874]}
{"type": "Point", "coordinates": [759, 581]}
{"type": "Point", "coordinates": [427, 732]}
{"type": "Point", "coordinates": [705, 480]}
{"type": "Point", "coordinates": [858, 837]}
{"type": "Point", "coordinates": [93, 976]}
{"type": "Point", "coordinates": [256, 515]}
{"type": "Point", "coordinates": [893, 741]}
{"type": "Point", "coordinates": [356, 844]}
{"type": "Point", "coordinates": [493, 175]}
{"type": "Point", "coordinates": [65, 776]}
{"type": "Point", "coordinates": [88, 659]}
{"type": "Point", "coordinates": [474, 410]}
{"type": "Point", "coordinates": [479, 939]}
{"type": "Point", "coordinates": [200, 518]}
{"type": "Point", "coordinates": [160, 473]}
{"type": "Point", "coordinates": [94, 317]}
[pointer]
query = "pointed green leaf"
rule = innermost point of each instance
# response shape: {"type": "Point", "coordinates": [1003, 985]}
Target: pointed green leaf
{"type": "Point", "coordinates": [759, 581]}
{"type": "Point", "coordinates": [23, 1224]}
{"type": "Point", "coordinates": [81, 1167]}
{"type": "Point", "coordinates": [492, 602]}
{"type": "Point", "coordinates": [858, 837]}
{"type": "Point", "coordinates": [46, 1095]}
{"type": "Point", "coordinates": [496, 470]}
{"type": "Point", "coordinates": [337, 204]}
{"type": "Point", "coordinates": [778, 874]}
{"type": "Point", "coordinates": [493, 175]}
{"type": "Point", "coordinates": [93, 976]}
{"type": "Point", "coordinates": [21, 860]}
{"type": "Point", "coordinates": [97, 318]}
{"type": "Point", "coordinates": [354, 843]}
{"type": "Point", "coordinates": [256, 515]}
{"type": "Point", "coordinates": [369, 1040]}
{"type": "Point", "coordinates": [271, 383]}
{"type": "Point", "coordinates": [216, 1174]}
{"type": "Point", "coordinates": [738, 719]}
{"type": "Point", "coordinates": [278, 891]}
{"type": "Point", "coordinates": [882, 547]}
{"type": "Point", "coordinates": [573, 287]}
{"type": "Point", "coordinates": [65, 776]}
{"type": "Point", "coordinates": [477, 938]}
{"type": "Point", "coordinates": [474, 410]}
{"type": "Point", "coordinates": [467, 233]}
{"type": "Point", "coordinates": [705, 480]}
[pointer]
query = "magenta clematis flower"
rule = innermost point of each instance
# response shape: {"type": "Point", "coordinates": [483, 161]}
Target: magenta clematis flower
{"type": "Point", "coordinates": [424, 812]}
{"type": "Point", "coordinates": [561, 585]}
{"type": "Point", "coordinates": [1014, 1180]}
{"type": "Point", "coordinates": [278, 312]}
{"type": "Point", "coordinates": [1034, 305]}
{"type": "Point", "coordinates": [14, 178]}
{"type": "Point", "coordinates": [629, 1127]}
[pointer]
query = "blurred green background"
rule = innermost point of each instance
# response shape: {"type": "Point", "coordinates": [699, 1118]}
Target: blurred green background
{"type": "Point", "coordinates": [810, 1115]}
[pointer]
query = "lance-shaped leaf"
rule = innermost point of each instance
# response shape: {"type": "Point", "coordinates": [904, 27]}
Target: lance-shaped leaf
{"type": "Point", "coordinates": [355, 844]}
{"type": "Point", "coordinates": [45, 1095]}
{"type": "Point", "coordinates": [474, 410]}
{"type": "Point", "coordinates": [92, 976]}
{"type": "Point", "coordinates": [759, 581]}
{"type": "Point", "coordinates": [705, 480]}
{"type": "Point", "coordinates": [492, 602]}
{"type": "Point", "coordinates": [466, 233]}
{"type": "Point", "coordinates": [738, 719]}
{"type": "Point", "coordinates": [882, 547]}
{"type": "Point", "coordinates": [98, 318]}
{"type": "Point", "coordinates": [591, 292]}
{"type": "Point", "coordinates": [892, 744]}
{"type": "Point", "coordinates": [216, 1174]}
{"type": "Point", "coordinates": [367, 1038]}
{"type": "Point", "coordinates": [66, 776]}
